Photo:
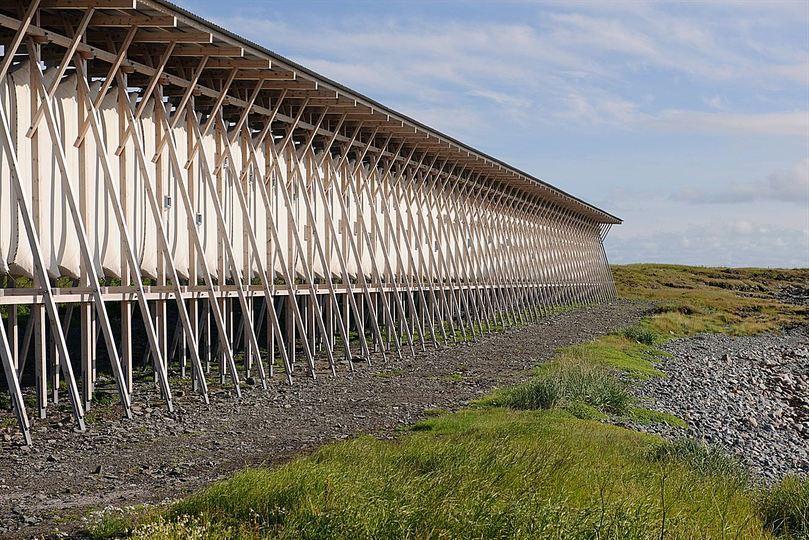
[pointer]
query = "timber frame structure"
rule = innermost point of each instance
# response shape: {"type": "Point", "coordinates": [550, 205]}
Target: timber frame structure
{"type": "Point", "coordinates": [162, 177]}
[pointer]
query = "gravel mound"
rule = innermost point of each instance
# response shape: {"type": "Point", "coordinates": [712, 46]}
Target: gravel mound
{"type": "Point", "coordinates": [749, 395]}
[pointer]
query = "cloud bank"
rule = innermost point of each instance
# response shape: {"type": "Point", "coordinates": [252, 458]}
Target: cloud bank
{"type": "Point", "coordinates": [790, 186]}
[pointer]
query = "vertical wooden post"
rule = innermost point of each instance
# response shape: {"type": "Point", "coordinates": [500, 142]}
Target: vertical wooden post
{"type": "Point", "coordinates": [163, 190]}
{"type": "Point", "coordinates": [37, 310]}
{"type": "Point", "coordinates": [86, 308]}
{"type": "Point", "coordinates": [126, 204]}
{"type": "Point", "coordinates": [193, 303]}
{"type": "Point", "coordinates": [220, 257]}
{"type": "Point", "coordinates": [13, 330]}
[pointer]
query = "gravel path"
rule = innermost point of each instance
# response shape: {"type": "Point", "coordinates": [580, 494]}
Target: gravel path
{"type": "Point", "coordinates": [157, 456]}
{"type": "Point", "coordinates": [749, 395]}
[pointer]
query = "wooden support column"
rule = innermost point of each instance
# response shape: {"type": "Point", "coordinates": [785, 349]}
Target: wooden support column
{"type": "Point", "coordinates": [38, 311]}
{"type": "Point", "coordinates": [126, 207]}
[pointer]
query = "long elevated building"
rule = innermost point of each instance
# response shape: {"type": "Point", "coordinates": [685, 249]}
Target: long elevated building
{"type": "Point", "coordinates": [177, 197]}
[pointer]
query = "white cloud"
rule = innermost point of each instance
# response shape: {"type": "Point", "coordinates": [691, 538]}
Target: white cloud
{"type": "Point", "coordinates": [740, 243]}
{"type": "Point", "coordinates": [767, 123]}
{"type": "Point", "coordinates": [798, 72]}
{"type": "Point", "coordinates": [501, 98]}
{"type": "Point", "coordinates": [566, 66]}
{"type": "Point", "coordinates": [790, 186]}
{"type": "Point", "coordinates": [716, 102]}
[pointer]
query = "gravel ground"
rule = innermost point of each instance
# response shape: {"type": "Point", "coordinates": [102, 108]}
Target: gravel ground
{"type": "Point", "coordinates": [749, 395]}
{"type": "Point", "coordinates": [157, 455]}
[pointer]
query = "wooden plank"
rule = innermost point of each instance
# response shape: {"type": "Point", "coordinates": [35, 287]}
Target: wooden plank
{"type": "Point", "coordinates": [85, 4]}
{"type": "Point", "coordinates": [101, 20]}
{"type": "Point", "coordinates": [127, 21]}
{"type": "Point", "coordinates": [187, 50]}
{"type": "Point", "coordinates": [147, 36]}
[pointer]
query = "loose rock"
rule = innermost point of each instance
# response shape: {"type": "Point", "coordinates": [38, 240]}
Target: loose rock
{"type": "Point", "coordinates": [752, 403]}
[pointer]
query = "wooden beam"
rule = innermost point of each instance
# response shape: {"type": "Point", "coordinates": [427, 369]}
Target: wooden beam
{"type": "Point", "coordinates": [194, 51]}
{"type": "Point", "coordinates": [147, 36]}
{"type": "Point", "coordinates": [223, 63]}
{"type": "Point", "coordinates": [267, 76]}
{"type": "Point", "coordinates": [141, 21]}
{"type": "Point", "coordinates": [85, 4]}
{"type": "Point", "coordinates": [304, 94]}
{"type": "Point", "coordinates": [57, 20]}
{"type": "Point", "coordinates": [294, 85]}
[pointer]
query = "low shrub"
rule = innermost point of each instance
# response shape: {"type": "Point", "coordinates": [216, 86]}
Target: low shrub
{"type": "Point", "coordinates": [701, 457]}
{"type": "Point", "coordinates": [561, 385]}
{"type": "Point", "coordinates": [640, 334]}
{"type": "Point", "coordinates": [675, 307]}
{"type": "Point", "coordinates": [785, 508]}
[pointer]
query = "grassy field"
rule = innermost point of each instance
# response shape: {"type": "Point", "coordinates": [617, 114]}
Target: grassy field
{"type": "Point", "coordinates": [539, 460]}
{"type": "Point", "coordinates": [729, 300]}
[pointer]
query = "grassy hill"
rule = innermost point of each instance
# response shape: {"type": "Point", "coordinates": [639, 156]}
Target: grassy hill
{"type": "Point", "coordinates": [540, 460]}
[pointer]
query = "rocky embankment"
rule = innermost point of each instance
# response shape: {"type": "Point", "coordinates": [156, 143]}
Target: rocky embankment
{"type": "Point", "coordinates": [749, 395]}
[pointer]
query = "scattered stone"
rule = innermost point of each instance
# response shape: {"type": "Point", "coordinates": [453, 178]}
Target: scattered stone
{"type": "Point", "coordinates": [753, 406]}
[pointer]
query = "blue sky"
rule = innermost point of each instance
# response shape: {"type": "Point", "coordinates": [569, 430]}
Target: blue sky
{"type": "Point", "coordinates": [690, 121]}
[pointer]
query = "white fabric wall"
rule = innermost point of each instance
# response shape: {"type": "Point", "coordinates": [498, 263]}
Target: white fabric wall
{"type": "Point", "coordinates": [148, 258]}
{"type": "Point", "coordinates": [207, 229]}
{"type": "Point", "coordinates": [176, 217]}
{"type": "Point", "coordinates": [108, 240]}
{"type": "Point", "coordinates": [15, 255]}
{"type": "Point", "coordinates": [441, 250]}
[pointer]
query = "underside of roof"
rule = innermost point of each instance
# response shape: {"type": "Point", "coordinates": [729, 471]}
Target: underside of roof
{"type": "Point", "coordinates": [158, 42]}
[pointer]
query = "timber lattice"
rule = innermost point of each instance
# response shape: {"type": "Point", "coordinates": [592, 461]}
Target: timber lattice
{"type": "Point", "coordinates": [165, 178]}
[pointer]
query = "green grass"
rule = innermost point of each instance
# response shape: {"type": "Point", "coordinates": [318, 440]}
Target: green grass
{"type": "Point", "coordinates": [639, 334]}
{"type": "Point", "coordinates": [694, 299]}
{"type": "Point", "coordinates": [563, 385]}
{"type": "Point", "coordinates": [639, 415]}
{"type": "Point", "coordinates": [591, 381]}
{"type": "Point", "coordinates": [389, 373]}
{"type": "Point", "coordinates": [785, 508]}
{"type": "Point", "coordinates": [538, 460]}
{"type": "Point", "coordinates": [702, 458]}
{"type": "Point", "coordinates": [618, 352]}
{"type": "Point", "coordinates": [531, 461]}
{"type": "Point", "coordinates": [487, 473]}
